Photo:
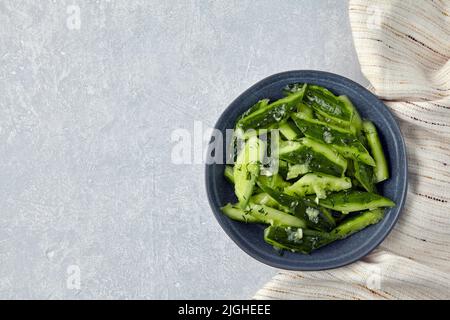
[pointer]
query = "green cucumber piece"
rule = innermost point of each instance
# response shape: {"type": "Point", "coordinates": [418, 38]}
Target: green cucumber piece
{"type": "Point", "coordinates": [246, 170]}
{"type": "Point", "coordinates": [305, 110]}
{"type": "Point", "coordinates": [296, 170]}
{"type": "Point", "coordinates": [294, 88]}
{"type": "Point", "coordinates": [340, 139]}
{"type": "Point", "coordinates": [333, 109]}
{"type": "Point", "coordinates": [354, 124]}
{"type": "Point", "coordinates": [317, 156]}
{"type": "Point", "coordinates": [301, 106]}
{"type": "Point", "coordinates": [268, 215]}
{"type": "Point", "coordinates": [364, 175]}
{"type": "Point", "coordinates": [305, 241]}
{"type": "Point", "coordinates": [306, 209]}
{"type": "Point", "coordinates": [275, 182]}
{"type": "Point", "coordinates": [358, 222]}
{"type": "Point", "coordinates": [271, 114]}
{"type": "Point", "coordinates": [319, 184]}
{"type": "Point", "coordinates": [328, 105]}
{"type": "Point", "coordinates": [327, 152]}
{"type": "Point", "coordinates": [229, 174]}
{"type": "Point", "coordinates": [355, 119]}
{"type": "Point", "coordinates": [264, 198]}
{"type": "Point", "coordinates": [350, 201]}
{"type": "Point", "coordinates": [283, 168]}
{"type": "Point", "coordinates": [235, 213]}
{"type": "Point", "coordinates": [245, 135]}
{"type": "Point", "coordinates": [289, 130]}
{"type": "Point", "coordinates": [381, 171]}
{"type": "Point", "coordinates": [261, 104]}
{"type": "Point", "coordinates": [351, 174]}
{"type": "Point", "coordinates": [296, 239]}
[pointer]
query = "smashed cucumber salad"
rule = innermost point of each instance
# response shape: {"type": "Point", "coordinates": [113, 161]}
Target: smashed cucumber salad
{"type": "Point", "coordinates": [307, 166]}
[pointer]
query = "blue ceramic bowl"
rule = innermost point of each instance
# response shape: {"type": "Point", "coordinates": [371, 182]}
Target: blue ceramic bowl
{"type": "Point", "coordinates": [249, 237]}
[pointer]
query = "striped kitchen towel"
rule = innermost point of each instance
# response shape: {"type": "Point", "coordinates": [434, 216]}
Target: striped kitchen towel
{"type": "Point", "coordinates": [404, 50]}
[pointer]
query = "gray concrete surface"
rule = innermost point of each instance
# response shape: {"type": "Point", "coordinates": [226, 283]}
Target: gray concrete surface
{"type": "Point", "coordinates": [91, 205]}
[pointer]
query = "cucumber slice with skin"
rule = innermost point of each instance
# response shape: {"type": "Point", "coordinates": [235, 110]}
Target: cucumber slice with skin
{"type": "Point", "coordinates": [275, 217]}
{"type": "Point", "coordinates": [355, 120]}
{"type": "Point", "coordinates": [229, 174]}
{"type": "Point", "coordinates": [305, 110]}
{"type": "Point", "coordinates": [235, 213]}
{"type": "Point", "coordinates": [356, 185]}
{"type": "Point", "coordinates": [327, 152]}
{"type": "Point", "coordinates": [340, 139]}
{"type": "Point", "coordinates": [319, 184]}
{"type": "Point", "coordinates": [381, 168]}
{"type": "Point", "coordinates": [289, 131]}
{"type": "Point", "coordinates": [262, 214]}
{"type": "Point", "coordinates": [357, 223]}
{"type": "Point", "coordinates": [296, 239]}
{"type": "Point", "coordinates": [294, 88]}
{"type": "Point", "coordinates": [245, 178]}
{"type": "Point", "coordinates": [245, 135]}
{"type": "Point", "coordinates": [333, 109]}
{"type": "Point", "coordinates": [365, 176]}
{"type": "Point", "coordinates": [283, 168]}
{"type": "Point", "coordinates": [350, 201]}
{"type": "Point", "coordinates": [275, 182]}
{"type": "Point", "coordinates": [246, 170]}
{"type": "Point", "coordinates": [264, 198]}
{"type": "Point", "coordinates": [315, 155]}
{"type": "Point", "coordinates": [296, 170]}
{"type": "Point", "coordinates": [272, 113]}
{"type": "Point", "coordinates": [301, 106]}
{"type": "Point", "coordinates": [261, 104]}
{"type": "Point", "coordinates": [328, 105]}
{"type": "Point", "coordinates": [305, 241]}
{"type": "Point", "coordinates": [316, 217]}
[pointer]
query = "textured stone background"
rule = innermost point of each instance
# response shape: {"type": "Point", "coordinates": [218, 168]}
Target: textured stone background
{"type": "Point", "coordinates": [86, 116]}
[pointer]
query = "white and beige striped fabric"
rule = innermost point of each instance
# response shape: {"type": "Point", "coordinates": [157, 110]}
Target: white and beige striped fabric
{"type": "Point", "coordinates": [404, 50]}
